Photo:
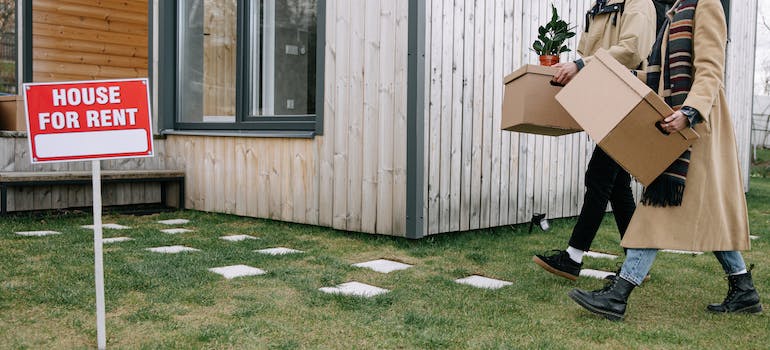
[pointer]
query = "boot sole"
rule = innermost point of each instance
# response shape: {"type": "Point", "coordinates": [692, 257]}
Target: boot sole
{"type": "Point", "coordinates": [552, 270]}
{"type": "Point", "coordinates": [606, 314]}
{"type": "Point", "coordinates": [753, 309]}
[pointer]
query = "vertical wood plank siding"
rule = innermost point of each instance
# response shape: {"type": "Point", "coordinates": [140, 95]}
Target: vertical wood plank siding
{"type": "Point", "coordinates": [354, 176]}
{"type": "Point", "coordinates": [479, 176]}
{"type": "Point", "coordinates": [740, 76]}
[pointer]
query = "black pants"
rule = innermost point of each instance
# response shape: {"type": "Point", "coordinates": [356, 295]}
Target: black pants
{"type": "Point", "coordinates": [606, 182]}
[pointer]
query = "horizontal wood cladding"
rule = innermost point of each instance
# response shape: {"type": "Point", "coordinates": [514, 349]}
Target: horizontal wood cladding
{"type": "Point", "coordinates": [44, 54]}
{"type": "Point", "coordinates": [136, 13]}
{"type": "Point", "coordinates": [93, 23]}
{"type": "Point", "coordinates": [79, 46]}
{"type": "Point", "coordinates": [133, 6]}
{"type": "Point", "coordinates": [99, 36]}
{"type": "Point", "coordinates": [93, 70]}
{"type": "Point", "coordinates": [89, 40]}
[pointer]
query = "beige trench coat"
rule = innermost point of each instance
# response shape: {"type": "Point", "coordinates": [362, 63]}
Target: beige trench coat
{"type": "Point", "coordinates": [713, 214]}
{"type": "Point", "coordinates": [629, 41]}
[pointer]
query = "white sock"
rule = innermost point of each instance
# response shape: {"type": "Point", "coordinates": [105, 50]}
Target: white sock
{"type": "Point", "coordinates": [575, 254]}
{"type": "Point", "coordinates": [739, 272]}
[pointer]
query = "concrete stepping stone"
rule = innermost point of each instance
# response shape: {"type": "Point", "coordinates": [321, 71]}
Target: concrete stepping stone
{"type": "Point", "coordinates": [598, 255]}
{"type": "Point", "coordinates": [674, 251]}
{"type": "Point", "coordinates": [172, 249]}
{"type": "Point", "coordinates": [173, 231]}
{"type": "Point", "coordinates": [237, 238]}
{"type": "Point", "coordinates": [383, 265]}
{"type": "Point", "coordinates": [116, 240]}
{"type": "Point", "coordinates": [598, 274]}
{"type": "Point", "coordinates": [234, 271]}
{"type": "Point", "coordinates": [109, 226]}
{"type": "Point", "coordinates": [37, 233]}
{"type": "Point", "coordinates": [279, 251]}
{"type": "Point", "coordinates": [355, 289]}
{"type": "Point", "coordinates": [483, 282]}
{"type": "Point", "coordinates": [174, 222]}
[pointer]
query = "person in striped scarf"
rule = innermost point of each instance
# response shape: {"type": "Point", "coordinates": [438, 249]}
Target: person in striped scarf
{"type": "Point", "coordinates": [698, 203]}
{"type": "Point", "coordinates": [626, 29]}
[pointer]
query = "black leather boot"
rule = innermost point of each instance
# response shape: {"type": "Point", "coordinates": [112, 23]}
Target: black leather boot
{"type": "Point", "coordinates": [609, 301]}
{"type": "Point", "coordinates": [741, 296]}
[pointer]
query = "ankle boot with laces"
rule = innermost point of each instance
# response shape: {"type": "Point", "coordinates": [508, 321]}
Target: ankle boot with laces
{"type": "Point", "coordinates": [609, 302]}
{"type": "Point", "coordinates": [741, 297]}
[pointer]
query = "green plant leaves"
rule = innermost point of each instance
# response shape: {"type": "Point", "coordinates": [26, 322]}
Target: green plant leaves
{"type": "Point", "coordinates": [552, 35]}
{"type": "Point", "coordinates": [538, 46]}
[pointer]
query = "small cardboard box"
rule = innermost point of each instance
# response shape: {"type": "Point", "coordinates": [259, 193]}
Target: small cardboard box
{"type": "Point", "coordinates": [620, 113]}
{"type": "Point", "coordinates": [12, 113]}
{"type": "Point", "coordinates": [529, 105]}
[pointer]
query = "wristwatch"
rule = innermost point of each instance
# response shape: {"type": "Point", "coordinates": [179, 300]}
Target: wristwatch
{"type": "Point", "coordinates": [692, 114]}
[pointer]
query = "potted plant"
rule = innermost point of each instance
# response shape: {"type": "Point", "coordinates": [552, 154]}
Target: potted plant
{"type": "Point", "coordinates": [550, 40]}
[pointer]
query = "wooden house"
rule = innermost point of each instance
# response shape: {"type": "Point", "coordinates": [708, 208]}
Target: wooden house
{"type": "Point", "coordinates": [378, 116]}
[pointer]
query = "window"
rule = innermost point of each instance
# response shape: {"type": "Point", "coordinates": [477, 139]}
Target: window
{"type": "Point", "coordinates": [248, 65]}
{"type": "Point", "coordinates": [8, 53]}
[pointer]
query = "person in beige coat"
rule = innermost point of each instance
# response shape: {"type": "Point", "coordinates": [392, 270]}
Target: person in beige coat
{"type": "Point", "coordinates": [696, 205]}
{"type": "Point", "coordinates": [626, 29]}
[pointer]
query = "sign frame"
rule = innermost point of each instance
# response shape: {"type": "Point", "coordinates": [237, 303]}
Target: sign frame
{"type": "Point", "coordinates": [144, 117]}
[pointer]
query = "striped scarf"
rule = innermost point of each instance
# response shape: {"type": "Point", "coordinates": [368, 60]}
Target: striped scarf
{"type": "Point", "coordinates": [668, 188]}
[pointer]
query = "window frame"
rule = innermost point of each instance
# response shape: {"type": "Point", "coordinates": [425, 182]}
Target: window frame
{"type": "Point", "coordinates": [18, 49]}
{"type": "Point", "coordinates": [302, 126]}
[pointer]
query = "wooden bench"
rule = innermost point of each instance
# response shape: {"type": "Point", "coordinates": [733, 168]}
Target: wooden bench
{"type": "Point", "coordinates": [52, 178]}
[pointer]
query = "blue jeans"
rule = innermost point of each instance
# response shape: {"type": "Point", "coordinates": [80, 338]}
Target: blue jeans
{"type": "Point", "coordinates": [639, 262]}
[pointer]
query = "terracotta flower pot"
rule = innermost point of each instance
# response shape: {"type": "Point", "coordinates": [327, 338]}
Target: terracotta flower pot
{"type": "Point", "coordinates": [549, 60]}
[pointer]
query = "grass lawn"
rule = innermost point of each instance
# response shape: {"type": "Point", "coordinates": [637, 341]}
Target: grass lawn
{"type": "Point", "coordinates": [159, 301]}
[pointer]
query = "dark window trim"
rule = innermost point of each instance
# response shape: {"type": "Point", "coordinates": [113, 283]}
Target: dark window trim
{"type": "Point", "coordinates": [167, 53]}
{"type": "Point", "coordinates": [26, 41]}
{"type": "Point", "coordinates": [415, 122]}
{"type": "Point", "coordinates": [244, 133]}
{"type": "Point", "coordinates": [269, 126]}
{"type": "Point", "coordinates": [726, 6]}
{"type": "Point", "coordinates": [320, 64]}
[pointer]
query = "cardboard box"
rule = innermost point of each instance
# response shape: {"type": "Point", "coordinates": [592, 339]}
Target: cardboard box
{"type": "Point", "coordinates": [529, 105]}
{"type": "Point", "coordinates": [12, 113]}
{"type": "Point", "coordinates": [620, 113]}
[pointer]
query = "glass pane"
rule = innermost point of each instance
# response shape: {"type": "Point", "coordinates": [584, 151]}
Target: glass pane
{"type": "Point", "coordinates": [283, 55]}
{"type": "Point", "coordinates": [8, 53]}
{"type": "Point", "coordinates": [207, 64]}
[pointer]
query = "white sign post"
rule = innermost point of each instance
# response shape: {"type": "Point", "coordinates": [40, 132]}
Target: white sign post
{"type": "Point", "coordinates": [90, 120]}
{"type": "Point", "coordinates": [101, 328]}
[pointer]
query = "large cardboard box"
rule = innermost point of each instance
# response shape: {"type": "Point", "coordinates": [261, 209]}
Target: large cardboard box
{"type": "Point", "coordinates": [529, 105]}
{"type": "Point", "coordinates": [12, 113]}
{"type": "Point", "coordinates": [620, 113]}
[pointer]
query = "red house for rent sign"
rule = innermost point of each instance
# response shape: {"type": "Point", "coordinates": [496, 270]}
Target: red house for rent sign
{"type": "Point", "coordinates": [88, 120]}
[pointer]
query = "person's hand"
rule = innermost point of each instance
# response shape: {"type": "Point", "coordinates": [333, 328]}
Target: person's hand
{"type": "Point", "coordinates": [675, 122]}
{"type": "Point", "coordinates": [566, 71]}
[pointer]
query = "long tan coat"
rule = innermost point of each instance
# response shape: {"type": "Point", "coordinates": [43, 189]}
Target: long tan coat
{"type": "Point", "coordinates": [629, 40]}
{"type": "Point", "coordinates": [713, 215]}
